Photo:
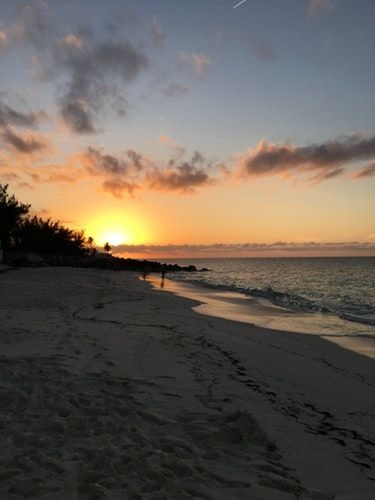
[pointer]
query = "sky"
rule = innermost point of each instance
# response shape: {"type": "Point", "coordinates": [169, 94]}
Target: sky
{"type": "Point", "coordinates": [174, 128]}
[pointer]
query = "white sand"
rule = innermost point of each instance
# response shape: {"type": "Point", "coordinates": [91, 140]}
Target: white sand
{"type": "Point", "coordinates": [109, 389]}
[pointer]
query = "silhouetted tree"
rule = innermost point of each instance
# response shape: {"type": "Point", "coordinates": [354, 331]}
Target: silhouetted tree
{"type": "Point", "coordinates": [45, 236]}
{"type": "Point", "coordinates": [12, 213]}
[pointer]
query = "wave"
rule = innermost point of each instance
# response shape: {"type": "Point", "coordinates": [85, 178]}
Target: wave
{"type": "Point", "coordinates": [293, 302]}
{"type": "Point", "coordinates": [358, 319]}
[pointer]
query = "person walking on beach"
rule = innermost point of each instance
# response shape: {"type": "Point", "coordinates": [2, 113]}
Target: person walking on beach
{"type": "Point", "coordinates": [162, 276]}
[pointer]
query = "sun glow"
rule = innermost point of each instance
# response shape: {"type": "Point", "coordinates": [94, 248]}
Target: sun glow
{"type": "Point", "coordinates": [115, 230]}
{"type": "Point", "coordinates": [113, 237]}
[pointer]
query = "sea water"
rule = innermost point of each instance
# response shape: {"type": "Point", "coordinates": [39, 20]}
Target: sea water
{"type": "Point", "coordinates": [325, 296]}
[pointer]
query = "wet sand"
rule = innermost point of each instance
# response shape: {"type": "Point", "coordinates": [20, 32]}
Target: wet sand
{"type": "Point", "coordinates": [110, 389]}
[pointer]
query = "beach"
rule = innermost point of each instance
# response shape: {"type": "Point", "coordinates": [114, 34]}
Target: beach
{"type": "Point", "coordinates": [110, 388]}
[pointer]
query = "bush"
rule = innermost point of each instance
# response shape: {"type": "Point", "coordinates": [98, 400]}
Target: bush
{"type": "Point", "coordinates": [18, 231]}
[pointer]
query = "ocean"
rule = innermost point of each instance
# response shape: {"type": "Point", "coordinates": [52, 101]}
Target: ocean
{"type": "Point", "coordinates": [324, 296]}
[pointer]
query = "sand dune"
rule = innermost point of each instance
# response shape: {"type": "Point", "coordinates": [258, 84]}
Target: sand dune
{"type": "Point", "coordinates": [109, 389]}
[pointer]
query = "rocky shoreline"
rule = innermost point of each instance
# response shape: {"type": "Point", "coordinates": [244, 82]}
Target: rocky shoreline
{"type": "Point", "coordinates": [95, 261]}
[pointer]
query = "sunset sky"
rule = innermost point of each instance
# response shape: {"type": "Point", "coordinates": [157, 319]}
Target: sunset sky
{"type": "Point", "coordinates": [192, 128]}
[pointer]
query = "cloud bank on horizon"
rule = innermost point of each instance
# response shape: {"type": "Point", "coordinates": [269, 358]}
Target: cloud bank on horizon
{"type": "Point", "coordinates": [248, 249]}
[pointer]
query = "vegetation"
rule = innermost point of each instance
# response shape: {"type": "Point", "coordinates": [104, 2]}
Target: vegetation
{"type": "Point", "coordinates": [11, 216]}
{"type": "Point", "coordinates": [20, 231]}
{"type": "Point", "coordinates": [45, 236]}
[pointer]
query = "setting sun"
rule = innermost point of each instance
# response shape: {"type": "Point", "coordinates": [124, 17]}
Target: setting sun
{"type": "Point", "coordinates": [115, 229]}
{"type": "Point", "coordinates": [114, 237]}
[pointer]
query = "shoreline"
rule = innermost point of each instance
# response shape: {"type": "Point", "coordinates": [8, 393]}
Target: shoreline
{"type": "Point", "coordinates": [114, 390]}
{"type": "Point", "coordinates": [263, 313]}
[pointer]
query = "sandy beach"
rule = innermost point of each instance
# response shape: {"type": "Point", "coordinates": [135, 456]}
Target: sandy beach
{"type": "Point", "coordinates": [112, 389]}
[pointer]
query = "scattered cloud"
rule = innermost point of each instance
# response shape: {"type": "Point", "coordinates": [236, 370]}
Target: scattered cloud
{"type": "Point", "coordinates": [198, 62]}
{"type": "Point", "coordinates": [157, 35]}
{"type": "Point", "coordinates": [184, 178]}
{"type": "Point", "coordinates": [118, 186]}
{"type": "Point", "coordinates": [175, 89]}
{"type": "Point", "coordinates": [322, 161]}
{"type": "Point", "coordinates": [179, 150]}
{"type": "Point", "coordinates": [35, 24]}
{"type": "Point", "coordinates": [11, 116]}
{"type": "Point", "coordinates": [131, 171]}
{"type": "Point", "coordinates": [24, 143]}
{"type": "Point", "coordinates": [89, 65]}
{"type": "Point", "coordinates": [316, 6]}
{"type": "Point", "coordinates": [90, 70]}
{"type": "Point", "coordinates": [98, 162]}
{"type": "Point", "coordinates": [366, 171]}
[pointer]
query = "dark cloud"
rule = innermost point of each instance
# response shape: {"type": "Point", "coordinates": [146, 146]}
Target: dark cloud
{"type": "Point", "coordinates": [181, 176]}
{"type": "Point", "coordinates": [366, 171]}
{"type": "Point", "coordinates": [77, 114]}
{"type": "Point", "coordinates": [98, 162]}
{"type": "Point", "coordinates": [136, 159]}
{"type": "Point", "coordinates": [23, 143]}
{"type": "Point", "coordinates": [184, 178]}
{"type": "Point", "coordinates": [175, 89]}
{"type": "Point", "coordinates": [131, 170]}
{"type": "Point", "coordinates": [89, 65]}
{"type": "Point", "coordinates": [10, 116]}
{"type": "Point", "coordinates": [324, 160]}
{"type": "Point", "coordinates": [117, 187]}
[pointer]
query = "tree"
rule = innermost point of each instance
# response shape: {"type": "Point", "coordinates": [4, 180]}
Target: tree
{"type": "Point", "coordinates": [46, 236]}
{"type": "Point", "coordinates": [11, 216]}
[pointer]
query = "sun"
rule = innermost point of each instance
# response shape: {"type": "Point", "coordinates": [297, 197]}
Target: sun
{"type": "Point", "coordinates": [115, 229]}
{"type": "Point", "coordinates": [114, 237]}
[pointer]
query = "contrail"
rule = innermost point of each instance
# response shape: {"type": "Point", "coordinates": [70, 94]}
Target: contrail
{"type": "Point", "coordinates": [238, 4]}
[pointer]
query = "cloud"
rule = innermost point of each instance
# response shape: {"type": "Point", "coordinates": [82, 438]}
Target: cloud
{"type": "Point", "coordinates": [175, 89]}
{"type": "Point", "coordinates": [316, 6]}
{"type": "Point", "coordinates": [35, 24]}
{"type": "Point", "coordinates": [91, 71]}
{"type": "Point", "coordinates": [178, 149]}
{"type": "Point", "coordinates": [180, 176]}
{"type": "Point", "coordinates": [278, 248]}
{"type": "Point", "coordinates": [117, 187]}
{"type": "Point", "coordinates": [89, 65]}
{"type": "Point", "coordinates": [131, 171]}
{"type": "Point", "coordinates": [26, 143]}
{"type": "Point", "coordinates": [184, 178]}
{"type": "Point", "coordinates": [198, 62]}
{"type": "Point", "coordinates": [98, 162]}
{"type": "Point", "coordinates": [366, 171]}
{"type": "Point", "coordinates": [157, 35]}
{"type": "Point", "coordinates": [11, 116]}
{"type": "Point", "coordinates": [323, 161]}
